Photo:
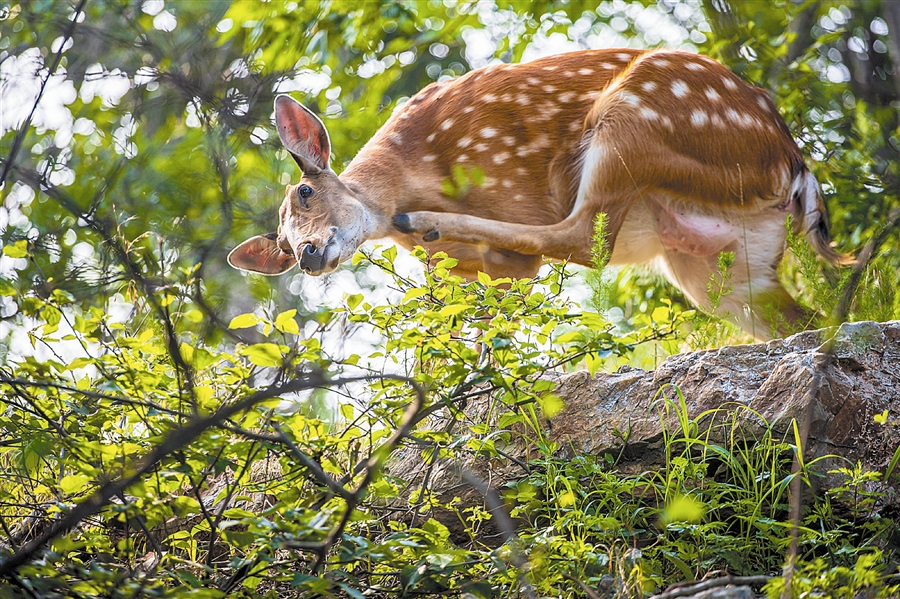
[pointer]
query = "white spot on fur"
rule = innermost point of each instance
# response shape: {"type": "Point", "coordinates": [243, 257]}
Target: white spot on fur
{"type": "Point", "coordinates": [695, 66]}
{"type": "Point", "coordinates": [551, 68]}
{"type": "Point", "coordinates": [607, 65]}
{"type": "Point", "coordinates": [468, 109]}
{"type": "Point", "coordinates": [464, 142]}
{"type": "Point", "coordinates": [712, 94]}
{"type": "Point", "coordinates": [395, 138]}
{"type": "Point", "coordinates": [488, 132]}
{"type": "Point", "coordinates": [489, 182]}
{"type": "Point", "coordinates": [699, 118]}
{"type": "Point", "coordinates": [623, 56]}
{"type": "Point", "coordinates": [648, 86]}
{"type": "Point", "coordinates": [462, 158]}
{"type": "Point", "coordinates": [590, 95]}
{"type": "Point", "coordinates": [661, 62]}
{"type": "Point", "coordinates": [550, 109]}
{"type": "Point", "coordinates": [500, 158]}
{"type": "Point", "coordinates": [729, 83]}
{"type": "Point", "coordinates": [717, 120]}
{"type": "Point", "coordinates": [649, 114]}
{"type": "Point", "coordinates": [680, 88]}
{"type": "Point", "coordinates": [506, 98]}
{"type": "Point", "coordinates": [575, 126]}
{"type": "Point", "coordinates": [446, 124]}
{"type": "Point", "coordinates": [566, 96]}
{"type": "Point", "coordinates": [430, 138]}
{"type": "Point", "coordinates": [521, 171]}
{"type": "Point", "coordinates": [507, 183]}
{"type": "Point", "coordinates": [480, 147]}
{"type": "Point", "coordinates": [585, 71]}
{"type": "Point", "coordinates": [534, 81]}
{"type": "Point", "coordinates": [629, 98]}
{"type": "Point", "coordinates": [509, 140]}
{"type": "Point", "coordinates": [489, 98]}
{"type": "Point", "coordinates": [732, 115]}
{"type": "Point", "coordinates": [667, 122]}
{"type": "Point", "coordinates": [761, 100]}
{"type": "Point", "coordinates": [549, 88]}
{"type": "Point", "coordinates": [428, 158]}
{"type": "Point", "coordinates": [568, 73]}
{"type": "Point", "coordinates": [523, 100]}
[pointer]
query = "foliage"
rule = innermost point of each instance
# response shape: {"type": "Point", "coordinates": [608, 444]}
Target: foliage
{"type": "Point", "coordinates": [202, 472]}
{"type": "Point", "coordinates": [165, 432]}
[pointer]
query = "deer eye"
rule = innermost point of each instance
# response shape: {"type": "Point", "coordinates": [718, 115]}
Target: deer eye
{"type": "Point", "coordinates": [304, 191]}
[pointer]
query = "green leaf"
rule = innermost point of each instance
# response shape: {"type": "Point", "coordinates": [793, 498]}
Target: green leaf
{"type": "Point", "coordinates": [448, 189]}
{"type": "Point", "coordinates": [660, 314]}
{"type": "Point", "coordinates": [74, 483]}
{"type": "Point", "coordinates": [354, 300]}
{"type": "Point", "coordinates": [185, 506]}
{"type": "Point", "coordinates": [244, 321]}
{"type": "Point", "coordinates": [508, 418]}
{"type": "Point", "coordinates": [17, 250]}
{"type": "Point", "coordinates": [453, 309]}
{"type": "Point", "coordinates": [285, 322]}
{"type": "Point", "coordinates": [480, 429]}
{"type": "Point", "coordinates": [263, 354]}
{"type": "Point", "coordinates": [414, 293]}
{"type": "Point", "coordinates": [683, 508]}
{"type": "Point", "coordinates": [551, 404]}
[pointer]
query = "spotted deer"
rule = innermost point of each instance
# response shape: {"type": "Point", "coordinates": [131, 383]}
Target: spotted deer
{"type": "Point", "coordinates": [685, 159]}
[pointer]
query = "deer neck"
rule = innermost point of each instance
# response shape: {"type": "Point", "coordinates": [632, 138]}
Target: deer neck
{"type": "Point", "coordinates": [377, 185]}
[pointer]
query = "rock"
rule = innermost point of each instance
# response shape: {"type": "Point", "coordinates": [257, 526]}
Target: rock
{"type": "Point", "coordinates": [729, 592]}
{"type": "Point", "coordinates": [834, 381]}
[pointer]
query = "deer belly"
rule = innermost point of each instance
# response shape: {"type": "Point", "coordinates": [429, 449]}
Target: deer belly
{"type": "Point", "coordinates": [651, 230]}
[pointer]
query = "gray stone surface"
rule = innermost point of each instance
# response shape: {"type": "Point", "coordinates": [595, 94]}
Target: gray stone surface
{"type": "Point", "coordinates": [835, 380]}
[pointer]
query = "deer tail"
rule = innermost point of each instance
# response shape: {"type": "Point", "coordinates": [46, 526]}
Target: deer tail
{"type": "Point", "coordinates": [811, 218]}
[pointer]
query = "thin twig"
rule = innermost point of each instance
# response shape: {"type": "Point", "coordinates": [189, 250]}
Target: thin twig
{"type": "Point", "coordinates": [505, 524]}
{"type": "Point", "coordinates": [20, 135]}
{"type": "Point", "coordinates": [591, 593]}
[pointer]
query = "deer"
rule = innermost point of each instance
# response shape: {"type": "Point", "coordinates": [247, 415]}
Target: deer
{"type": "Point", "coordinates": [684, 158]}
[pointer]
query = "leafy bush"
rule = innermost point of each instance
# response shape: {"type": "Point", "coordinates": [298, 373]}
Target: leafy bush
{"type": "Point", "coordinates": [134, 469]}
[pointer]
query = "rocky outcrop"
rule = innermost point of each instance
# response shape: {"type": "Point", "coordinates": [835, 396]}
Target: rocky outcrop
{"type": "Point", "coordinates": [833, 381]}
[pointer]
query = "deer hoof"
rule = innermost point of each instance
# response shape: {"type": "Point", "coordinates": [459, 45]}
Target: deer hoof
{"type": "Point", "coordinates": [402, 223]}
{"type": "Point", "coordinates": [432, 235]}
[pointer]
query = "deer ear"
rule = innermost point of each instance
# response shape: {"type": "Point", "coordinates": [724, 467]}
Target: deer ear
{"type": "Point", "coordinates": [302, 134]}
{"type": "Point", "coordinates": [262, 255]}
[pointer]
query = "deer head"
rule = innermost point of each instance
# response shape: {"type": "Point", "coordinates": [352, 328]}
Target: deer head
{"type": "Point", "coordinates": [321, 221]}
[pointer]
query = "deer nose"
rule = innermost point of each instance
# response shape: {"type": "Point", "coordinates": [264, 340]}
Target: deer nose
{"type": "Point", "coordinates": [312, 259]}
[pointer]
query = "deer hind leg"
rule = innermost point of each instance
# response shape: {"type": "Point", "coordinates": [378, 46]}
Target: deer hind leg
{"type": "Point", "coordinates": [569, 239]}
{"type": "Point", "coordinates": [751, 296]}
